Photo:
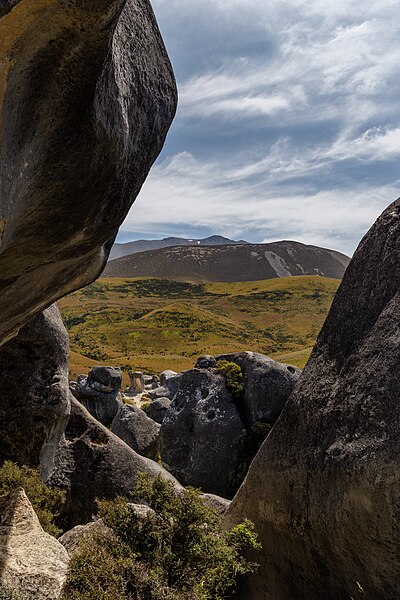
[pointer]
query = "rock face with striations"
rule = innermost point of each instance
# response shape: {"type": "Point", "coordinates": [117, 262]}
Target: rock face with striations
{"type": "Point", "coordinates": [34, 396]}
{"type": "Point", "coordinates": [32, 562]}
{"type": "Point", "coordinates": [324, 489]}
{"type": "Point", "coordinates": [87, 95]}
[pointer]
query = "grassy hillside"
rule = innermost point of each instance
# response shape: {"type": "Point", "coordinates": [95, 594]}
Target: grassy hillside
{"type": "Point", "coordinates": [155, 324]}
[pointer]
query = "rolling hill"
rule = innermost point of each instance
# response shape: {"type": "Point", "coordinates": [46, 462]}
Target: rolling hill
{"type": "Point", "coordinates": [119, 250]}
{"type": "Point", "coordinates": [154, 324]}
{"type": "Point", "coordinates": [230, 263]}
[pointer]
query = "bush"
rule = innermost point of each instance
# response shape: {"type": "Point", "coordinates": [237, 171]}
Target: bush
{"type": "Point", "coordinates": [233, 376]}
{"type": "Point", "coordinates": [46, 501]}
{"type": "Point", "coordinates": [179, 551]}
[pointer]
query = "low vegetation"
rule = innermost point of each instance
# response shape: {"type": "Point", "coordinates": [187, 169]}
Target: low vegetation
{"type": "Point", "coordinates": [46, 501]}
{"type": "Point", "coordinates": [179, 551]}
{"type": "Point", "coordinates": [156, 324]}
{"type": "Point", "coordinates": [233, 377]}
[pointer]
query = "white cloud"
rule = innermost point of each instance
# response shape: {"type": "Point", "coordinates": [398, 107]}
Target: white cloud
{"type": "Point", "coordinates": [188, 192]}
{"type": "Point", "coordinates": [292, 140]}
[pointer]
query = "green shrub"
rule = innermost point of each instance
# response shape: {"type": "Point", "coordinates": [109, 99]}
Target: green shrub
{"type": "Point", "coordinates": [145, 406]}
{"type": "Point", "coordinates": [233, 376]}
{"type": "Point", "coordinates": [179, 551]}
{"type": "Point", "coordinates": [46, 501]}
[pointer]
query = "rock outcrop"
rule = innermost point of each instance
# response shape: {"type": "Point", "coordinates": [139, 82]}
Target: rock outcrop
{"type": "Point", "coordinates": [32, 562]}
{"type": "Point", "coordinates": [324, 489]}
{"type": "Point", "coordinates": [201, 434]}
{"type": "Point", "coordinates": [158, 409]}
{"type": "Point", "coordinates": [267, 385]}
{"type": "Point", "coordinates": [34, 396]}
{"type": "Point", "coordinates": [99, 393]}
{"type": "Point", "coordinates": [87, 95]}
{"type": "Point", "coordinates": [209, 436]}
{"type": "Point", "coordinates": [91, 462]}
{"type": "Point", "coordinates": [135, 428]}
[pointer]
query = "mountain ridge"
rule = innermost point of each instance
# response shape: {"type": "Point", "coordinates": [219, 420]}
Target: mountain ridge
{"type": "Point", "coordinates": [136, 246]}
{"type": "Point", "coordinates": [231, 262]}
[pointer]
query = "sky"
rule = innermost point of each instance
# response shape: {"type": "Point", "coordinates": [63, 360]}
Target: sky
{"type": "Point", "coordinates": [288, 124]}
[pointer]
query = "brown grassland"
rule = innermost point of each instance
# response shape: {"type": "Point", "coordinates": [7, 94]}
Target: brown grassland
{"type": "Point", "coordinates": [157, 324]}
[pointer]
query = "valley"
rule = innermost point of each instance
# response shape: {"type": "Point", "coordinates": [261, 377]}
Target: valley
{"type": "Point", "coordinates": [156, 324]}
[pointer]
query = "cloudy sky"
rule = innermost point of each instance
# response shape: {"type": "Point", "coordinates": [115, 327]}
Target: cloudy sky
{"type": "Point", "coordinates": [288, 124]}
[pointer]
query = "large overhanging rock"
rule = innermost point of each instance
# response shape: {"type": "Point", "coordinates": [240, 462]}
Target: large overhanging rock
{"type": "Point", "coordinates": [87, 95]}
{"type": "Point", "coordinates": [324, 490]}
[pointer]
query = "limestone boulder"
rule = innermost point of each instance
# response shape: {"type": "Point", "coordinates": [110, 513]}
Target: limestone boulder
{"type": "Point", "coordinates": [165, 375]}
{"type": "Point", "coordinates": [136, 429]}
{"type": "Point", "coordinates": [201, 434]}
{"type": "Point", "coordinates": [158, 409]}
{"type": "Point", "coordinates": [206, 362]}
{"type": "Point", "coordinates": [267, 385]}
{"type": "Point", "coordinates": [87, 97]}
{"type": "Point", "coordinates": [91, 462]}
{"type": "Point", "coordinates": [73, 539]}
{"type": "Point", "coordinates": [34, 396]}
{"type": "Point", "coordinates": [158, 392]}
{"type": "Point", "coordinates": [324, 489]}
{"type": "Point", "coordinates": [99, 393]}
{"type": "Point", "coordinates": [32, 563]}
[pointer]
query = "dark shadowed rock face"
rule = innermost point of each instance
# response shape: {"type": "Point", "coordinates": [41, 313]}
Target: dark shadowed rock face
{"type": "Point", "coordinates": [136, 429]}
{"type": "Point", "coordinates": [87, 95]}
{"type": "Point", "coordinates": [324, 490]}
{"type": "Point", "coordinates": [267, 385]}
{"type": "Point", "coordinates": [91, 462]}
{"type": "Point", "coordinates": [34, 396]}
{"type": "Point", "coordinates": [201, 434]}
{"type": "Point", "coordinates": [157, 409]}
{"type": "Point", "coordinates": [99, 393]}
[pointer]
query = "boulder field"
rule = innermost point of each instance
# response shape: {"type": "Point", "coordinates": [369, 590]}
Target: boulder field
{"type": "Point", "coordinates": [324, 489]}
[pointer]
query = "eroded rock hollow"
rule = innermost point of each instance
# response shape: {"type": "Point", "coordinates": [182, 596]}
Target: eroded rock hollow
{"type": "Point", "coordinates": [324, 489]}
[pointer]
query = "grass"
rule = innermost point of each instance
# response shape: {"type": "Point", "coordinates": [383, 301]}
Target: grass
{"type": "Point", "coordinates": [155, 324]}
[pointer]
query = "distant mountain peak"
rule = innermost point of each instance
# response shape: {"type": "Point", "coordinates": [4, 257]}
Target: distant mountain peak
{"type": "Point", "coordinates": [120, 250]}
{"type": "Point", "coordinates": [230, 262]}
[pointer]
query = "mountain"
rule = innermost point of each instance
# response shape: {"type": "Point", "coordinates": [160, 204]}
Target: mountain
{"type": "Point", "coordinates": [119, 250]}
{"type": "Point", "coordinates": [229, 263]}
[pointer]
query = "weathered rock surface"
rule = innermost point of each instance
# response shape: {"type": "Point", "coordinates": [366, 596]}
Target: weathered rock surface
{"type": "Point", "coordinates": [157, 409]}
{"type": "Point", "coordinates": [324, 490]}
{"type": "Point", "coordinates": [218, 503]}
{"type": "Point", "coordinates": [136, 383]}
{"type": "Point", "coordinates": [159, 392]}
{"type": "Point", "coordinates": [165, 375]}
{"type": "Point", "coordinates": [136, 429]}
{"type": "Point", "coordinates": [91, 462]}
{"type": "Point", "coordinates": [87, 96]}
{"type": "Point", "coordinates": [206, 362]}
{"type": "Point", "coordinates": [99, 393]}
{"type": "Point", "coordinates": [34, 396]}
{"type": "Point", "coordinates": [201, 434]}
{"type": "Point", "coordinates": [32, 562]}
{"type": "Point", "coordinates": [267, 385]}
{"type": "Point", "coordinates": [72, 539]}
